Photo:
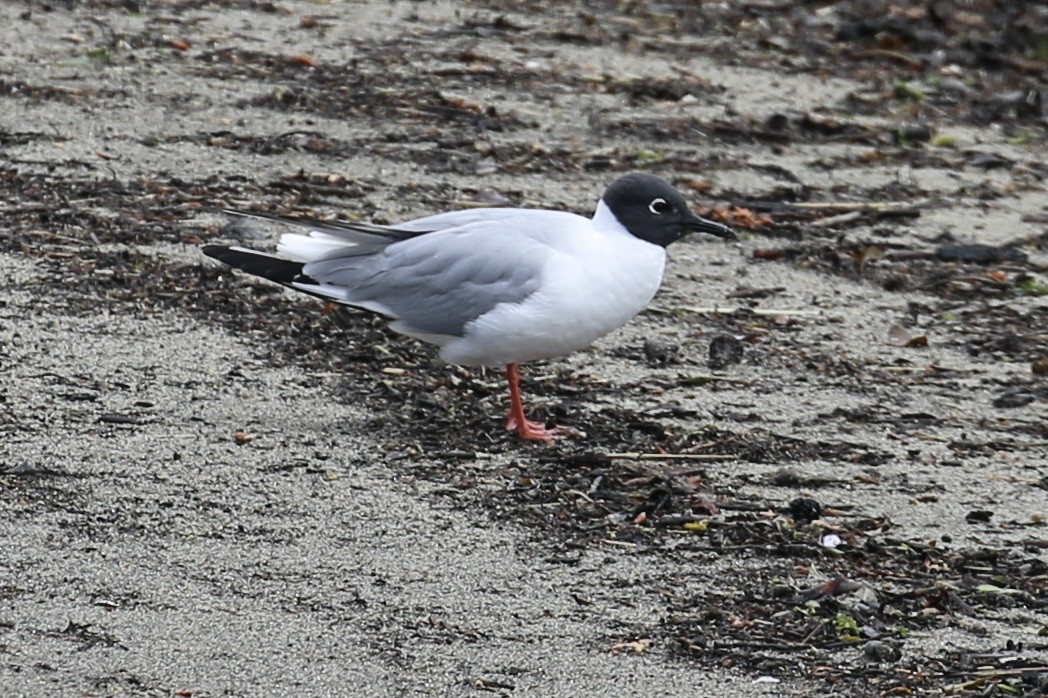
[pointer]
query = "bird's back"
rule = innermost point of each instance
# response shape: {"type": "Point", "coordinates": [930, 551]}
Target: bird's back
{"type": "Point", "coordinates": [437, 282]}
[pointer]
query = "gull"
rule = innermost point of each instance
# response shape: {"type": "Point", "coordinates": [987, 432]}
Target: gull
{"type": "Point", "coordinates": [492, 286]}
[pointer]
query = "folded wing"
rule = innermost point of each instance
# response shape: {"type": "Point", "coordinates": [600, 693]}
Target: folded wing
{"type": "Point", "coordinates": [433, 275]}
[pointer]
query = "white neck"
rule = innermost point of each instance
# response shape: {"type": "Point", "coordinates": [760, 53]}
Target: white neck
{"type": "Point", "coordinates": [605, 220]}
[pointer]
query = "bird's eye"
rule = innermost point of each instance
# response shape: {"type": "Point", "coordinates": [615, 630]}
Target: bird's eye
{"type": "Point", "coordinates": [659, 207]}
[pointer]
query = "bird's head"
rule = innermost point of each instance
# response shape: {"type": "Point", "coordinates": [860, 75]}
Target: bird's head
{"type": "Point", "coordinates": [652, 209]}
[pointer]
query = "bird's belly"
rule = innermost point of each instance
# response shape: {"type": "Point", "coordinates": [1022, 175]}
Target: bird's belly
{"type": "Point", "coordinates": [577, 304]}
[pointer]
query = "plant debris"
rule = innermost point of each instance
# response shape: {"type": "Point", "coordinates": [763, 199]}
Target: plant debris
{"type": "Point", "coordinates": [768, 509]}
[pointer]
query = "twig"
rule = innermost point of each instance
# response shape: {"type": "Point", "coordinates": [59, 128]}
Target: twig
{"type": "Point", "coordinates": [316, 189]}
{"type": "Point", "coordinates": [843, 206]}
{"type": "Point", "coordinates": [669, 456]}
{"type": "Point", "coordinates": [31, 208]}
{"type": "Point", "coordinates": [917, 369]}
{"type": "Point", "coordinates": [894, 55]}
{"type": "Point", "coordinates": [988, 674]}
{"type": "Point", "coordinates": [580, 494]}
{"type": "Point", "coordinates": [836, 220]}
{"type": "Point", "coordinates": [55, 236]}
{"type": "Point", "coordinates": [882, 209]}
{"type": "Point", "coordinates": [904, 255]}
{"type": "Point", "coordinates": [703, 378]}
{"type": "Point", "coordinates": [467, 203]}
{"type": "Point", "coordinates": [729, 310]}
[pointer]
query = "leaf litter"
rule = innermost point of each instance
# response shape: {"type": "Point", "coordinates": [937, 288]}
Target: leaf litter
{"type": "Point", "coordinates": [831, 593]}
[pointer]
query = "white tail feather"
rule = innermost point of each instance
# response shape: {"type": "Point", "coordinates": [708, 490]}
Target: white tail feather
{"type": "Point", "coordinates": [308, 248]}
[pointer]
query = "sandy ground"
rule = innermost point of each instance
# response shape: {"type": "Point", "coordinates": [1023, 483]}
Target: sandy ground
{"type": "Point", "coordinates": [146, 552]}
{"type": "Point", "coordinates": [161, 556]}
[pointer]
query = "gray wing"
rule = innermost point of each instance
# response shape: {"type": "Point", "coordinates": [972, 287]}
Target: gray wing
{"type": "Point", "coordinates": [351, 231]}
{"type": "Point", "coordinates": [440, 282]}
{"type": "Point", "coordinates": [371, 237]}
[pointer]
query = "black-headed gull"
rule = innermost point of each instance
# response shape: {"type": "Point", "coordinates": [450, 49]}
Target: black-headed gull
{"type": "Point", "coordinates": [492, 286]}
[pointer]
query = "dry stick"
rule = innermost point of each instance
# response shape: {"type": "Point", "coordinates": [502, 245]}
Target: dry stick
{"type": "Point", "coordinates": [728, 310]}
{"type": "Point", "coordinates": [882, 208]}
{"type": "Point", "coordinates": [466, 203]}
{"type": "Point", "coordinates": [620, 543]}
{"type": "Point", "coordinates": [990, 673]}
{"type": "Point", "coordinates": [837, 220]}
{"type": "Point", "coordinates": [56, 236]}
{"type": "Point", "coordinates": [699, 378]}
{"type": "Point", "coordinates": [851, 205]}
{"type": "Point", "coordinates": [916, 369]}
{"type": "Point", "coordinates": [904, 255]}
{"type": "Point", "coordinates": [31, 208]}
{"type": "Point", "coordinates": [894, 55]}
{"type": "Point", "coordinates": [668, 456]}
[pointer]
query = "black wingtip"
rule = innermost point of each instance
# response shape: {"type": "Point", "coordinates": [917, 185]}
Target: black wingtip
{"type": "Point", "coordinates": [215, 252]}
{"type": "Point", "coordinates": [282, 271]}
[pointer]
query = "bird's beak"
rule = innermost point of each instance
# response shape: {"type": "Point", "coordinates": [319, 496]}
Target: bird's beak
{"type": "Point", "coordinates": [695, 224]}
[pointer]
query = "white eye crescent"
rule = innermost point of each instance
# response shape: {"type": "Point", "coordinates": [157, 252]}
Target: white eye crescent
{"type": "Point", "coordinates": [659, 207]}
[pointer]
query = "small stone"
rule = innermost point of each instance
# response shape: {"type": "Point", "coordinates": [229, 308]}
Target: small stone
{"type": "Point", "coordinates": [805, 510]}
{"type": "Point", "coordinates": [830, 540]}
{"type": "Point", "coordinates": [725, 350]}
{"type": "Point", "coordinates": [913, 133]}
{"type": "Point", "coordinates": [1014, 397]}
{"type": "Point", "coordinates": [777, 122]}
{"type": "Point", "coordinates": [867, 596]}
{"type": "Point", "coordinates": [978, 516]}
{"type": "Point", "coordinates": [786, 477]}
{"type": "Point", "coordinates": [879, 651]}
{"type": "Point", "coordinates": [657, 352]}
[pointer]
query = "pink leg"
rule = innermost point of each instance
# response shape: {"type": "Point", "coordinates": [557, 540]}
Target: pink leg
{"type": "Point", "coordinates": [525, 428]}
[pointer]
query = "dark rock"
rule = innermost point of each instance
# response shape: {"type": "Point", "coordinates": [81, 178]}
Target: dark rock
{"type": "Point", "coordinates": [879, 651]}
{"type": "Point", "coordinates": [805, 510]}
{"type": "Point", "coordinates": [980, 254]}
{"type": "Point", "coordinates": [1014, 397]}
{"type": "Point", "coordinates": [786, 477]}
{"type": "Point", "coordinates": [913, 133]}
{"type": "Point", "coordinates": [725, 350]}
{"type": "Point", "coordinates": [659, 353]}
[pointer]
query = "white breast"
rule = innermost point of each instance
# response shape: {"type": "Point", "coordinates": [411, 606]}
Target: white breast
{"type": "Point", "coordinates": [596, 278]}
